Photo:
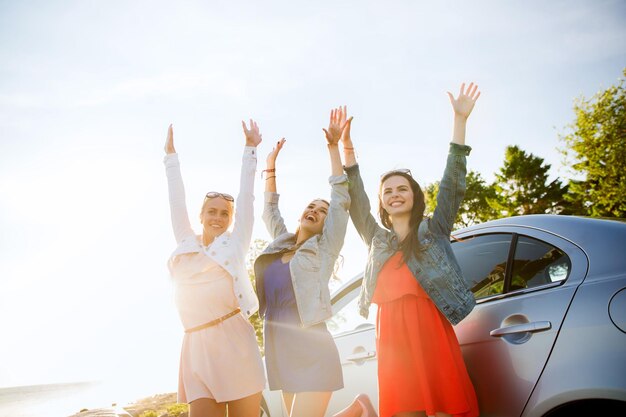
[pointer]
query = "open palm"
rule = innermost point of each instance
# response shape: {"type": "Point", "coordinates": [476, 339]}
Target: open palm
{"type": "Point", "coordinates": [464, 103]}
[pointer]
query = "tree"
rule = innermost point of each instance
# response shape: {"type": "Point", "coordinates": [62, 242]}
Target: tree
{"type": "Point", "coordinates": [522, 186]}
{"type": "Point", "coordinates": [257, 322]}
{"type": "Point", "coordinates": [474, 208]}
{"type": "Point", "coordinates": [430, 194]}
{"type": "Point", "coordinates": [597, 146]}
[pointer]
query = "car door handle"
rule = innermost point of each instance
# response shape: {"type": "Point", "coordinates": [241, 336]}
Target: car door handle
{"type": "Point", "coordinates": [537, 326]}
{"type": "Point", "coordinates": [361, 356]}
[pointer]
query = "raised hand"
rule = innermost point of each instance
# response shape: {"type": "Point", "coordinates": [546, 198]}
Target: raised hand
{"type": "Point", "coordinates": [271, 157]}
{"type": "Point", "coordinates": [346, 140]}
{"type": "Point", "coordinates": [464, 103]}
{"type": "Point", "coordinates": [253, 137]}
{"type": "Point", "coordinates": [169, 141]}
{"type": "Point", "coordinates": [336, 126]}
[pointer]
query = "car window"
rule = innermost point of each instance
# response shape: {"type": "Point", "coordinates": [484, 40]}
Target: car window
{"type": "Point", "coordinates": [348, 318]}
{"type": "Point", "coordinates": [483, 262]}
{"type": "Point", "coordinates": [537, 263]}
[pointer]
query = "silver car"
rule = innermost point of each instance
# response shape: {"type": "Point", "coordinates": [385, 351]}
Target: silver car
{"type": "Point", "coordinates": [548, 334]}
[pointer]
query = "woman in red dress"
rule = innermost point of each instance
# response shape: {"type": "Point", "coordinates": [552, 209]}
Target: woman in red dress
{"type": "Point", "coordinates": [416, 282]}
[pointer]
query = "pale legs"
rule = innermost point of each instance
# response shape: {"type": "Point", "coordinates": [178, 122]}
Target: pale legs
{"type": "Point", "coordinates": [208, 407]}
{"type": "Point", "coordinates": [306, 404]}
{"type": "Point", "coordinates": [360, 407]}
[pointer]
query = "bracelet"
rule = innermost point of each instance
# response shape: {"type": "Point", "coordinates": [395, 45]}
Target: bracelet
{"type": "Point", "coordinates": [267, 170]}
{"type": "Point", "coordinates": [345, 148]}
{"type": "Point", "coordinates": [267, 178]}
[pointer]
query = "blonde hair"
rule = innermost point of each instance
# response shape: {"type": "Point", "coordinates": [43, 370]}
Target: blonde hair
{"type": "Point", "coordinates": [231, 205]}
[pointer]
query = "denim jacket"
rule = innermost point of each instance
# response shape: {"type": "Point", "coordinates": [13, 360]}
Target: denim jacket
{"type": "Point", "coordinates": [314, 262]}
{"type": "Point", "coordinates": [435, 267]}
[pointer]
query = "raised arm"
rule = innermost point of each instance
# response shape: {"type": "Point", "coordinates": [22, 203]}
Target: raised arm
{"type": "Point", "coordinates": [336, 127]}
{"type": "Point", "coordinates": [271, 214]}
{"type": "Point", "coordinates": [335, 225]}
{"type": "Point", "coordinates": [244, 208]}
{"type": "Point", "coordinates": [463, 106]}
{"type": "Point", "coordinates": [360, 209]}
{"type": "Point", "coordinates": [270, 168]}
{"type": "Point", "coordinates": [452, 186]}
{"type": "Point", "coordinates": [349, 155]}
{"type": "Point", "coordinates": [178, 209]}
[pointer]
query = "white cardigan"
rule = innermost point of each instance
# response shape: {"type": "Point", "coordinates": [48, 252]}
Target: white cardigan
{"type": "Point", "coordinates": [228, 249]}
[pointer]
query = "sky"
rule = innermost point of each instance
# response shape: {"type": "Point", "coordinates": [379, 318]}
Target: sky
{"type": "Point", "coordinates": [88, 88]}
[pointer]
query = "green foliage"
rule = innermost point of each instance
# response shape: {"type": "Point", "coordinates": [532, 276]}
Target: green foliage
{"type": "Point", "coordinates": [255, 250]}
{"type": "Point", "coordinates": [158, 409]}
{"type": "Point", "coordinates": [474, 208]}
{"type": "Point", "coordinates": [175, 410]}
{"type": "Point", "coordinates": [597, 147]}
{"type": "Point", "coordinates": [430, 194]}
{"type": "Point", "coordinates": [522, 187]}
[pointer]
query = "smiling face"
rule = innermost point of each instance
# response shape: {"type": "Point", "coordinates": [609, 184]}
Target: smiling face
{"type": "Point", "coordinates": [396, 196]}
{"type": "Point", "coordinates": [216, 216]}
{"type": "Point", "coordinates": [313, 217]}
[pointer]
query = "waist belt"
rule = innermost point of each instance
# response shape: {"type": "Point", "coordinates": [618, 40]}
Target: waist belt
{"type": "Point", "coordinates": [213, 322]}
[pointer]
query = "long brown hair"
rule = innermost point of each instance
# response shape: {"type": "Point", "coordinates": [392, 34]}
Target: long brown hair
{"type": "Point", "coordinates": [410, 244]}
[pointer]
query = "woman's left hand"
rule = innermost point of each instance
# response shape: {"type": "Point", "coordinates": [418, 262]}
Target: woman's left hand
{"type": "Point", "coordinates": [169, 141]}
{"type": "Point", "coordinates": [336, 126]}
{"type": "Point", "coordinates": [253, 137]}
{"type": "Point", "coordinates": [464, 103]}
{"type": "Point", "coordinates": [271, 157]}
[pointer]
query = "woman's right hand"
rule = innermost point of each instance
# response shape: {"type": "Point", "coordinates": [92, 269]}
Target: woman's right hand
{"type": "Point", "coordinates": [253, 136]}
{"type": "Point", "coordinates": [271, 157]}
{"type": "Point", "coordinates": [346, 140]}
{"type": "Point", "coordinates": [169, 141]}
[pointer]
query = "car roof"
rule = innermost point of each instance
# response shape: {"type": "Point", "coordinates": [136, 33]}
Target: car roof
{"type": "Point", "coordinates": [574, 228]}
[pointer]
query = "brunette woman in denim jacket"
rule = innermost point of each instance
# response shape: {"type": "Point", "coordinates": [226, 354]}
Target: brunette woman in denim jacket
{"type": "Point", "coordinates": [416, 282]}
{"type": "Point", "coordinates": [292, 276]}
{"type": "Point", "coordinates": [220, 362]}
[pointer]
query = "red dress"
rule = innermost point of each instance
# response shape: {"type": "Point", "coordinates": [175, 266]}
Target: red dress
{"type": "Point", "coordinates": [420, 366]}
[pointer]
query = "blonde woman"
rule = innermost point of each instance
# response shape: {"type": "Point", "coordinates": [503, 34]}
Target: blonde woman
{"type": "Point", "coordinates": [220, 363]}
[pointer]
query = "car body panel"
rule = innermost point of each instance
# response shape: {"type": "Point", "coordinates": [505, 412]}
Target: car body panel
{"type": "Point", "coordinates": [356, 342]}
{"type": "Point", "coordinates": [568, 344]}
{"type": "Point", "coordinates": [357, 351]}
{"type": "Point", "coordinates": [505, 369]}
{"type": "Point", "coordinates": [572, 373]}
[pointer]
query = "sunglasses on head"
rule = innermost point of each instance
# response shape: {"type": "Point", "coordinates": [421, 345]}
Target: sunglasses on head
{"type": "Point", "coordinates": [215, 194]}
{"type": "Point", "coordinates": [397, 171]}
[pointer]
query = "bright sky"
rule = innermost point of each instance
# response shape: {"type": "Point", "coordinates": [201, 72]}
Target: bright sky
{"type": "Point", "coordinates": [88, 88]}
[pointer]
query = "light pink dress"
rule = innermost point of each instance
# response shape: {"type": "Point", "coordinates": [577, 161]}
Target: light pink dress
{"type": "Point", "coordinates": [222, 361]}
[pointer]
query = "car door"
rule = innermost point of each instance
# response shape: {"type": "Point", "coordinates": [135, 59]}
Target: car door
{"type": "Point", "coordinates": [355, 338]}
{"type": "Point", "coordinates": [524, 280]}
